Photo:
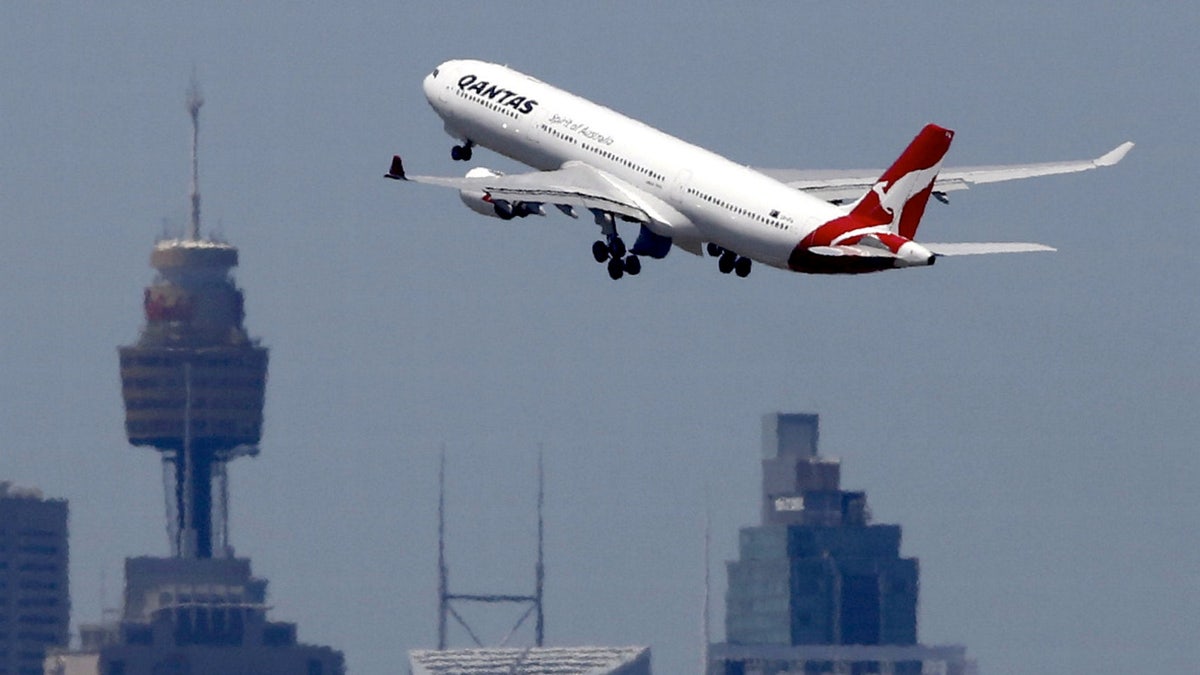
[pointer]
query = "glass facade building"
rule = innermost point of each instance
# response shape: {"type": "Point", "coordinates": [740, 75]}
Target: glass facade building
{"type": "Point", "coordinates": [817, 586]}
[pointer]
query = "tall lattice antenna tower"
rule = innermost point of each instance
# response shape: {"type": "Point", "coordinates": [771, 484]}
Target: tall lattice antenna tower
{"type": "Point", "coordinates": [532, 603]}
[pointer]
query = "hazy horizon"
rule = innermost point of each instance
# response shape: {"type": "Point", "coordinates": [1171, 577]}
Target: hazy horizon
{"type": "Point", "coordinates": [1027, 419]}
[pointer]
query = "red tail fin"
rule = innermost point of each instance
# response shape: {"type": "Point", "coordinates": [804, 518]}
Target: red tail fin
{"type": "Point", "coordinates": [898, 198]}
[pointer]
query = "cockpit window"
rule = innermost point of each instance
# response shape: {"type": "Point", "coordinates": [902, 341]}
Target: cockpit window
{"type": "Point", "coordinates": [435, 71]}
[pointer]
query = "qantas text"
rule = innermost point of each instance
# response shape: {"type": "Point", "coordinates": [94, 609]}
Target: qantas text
{"type": "Point", "coordinates": [505, 97]}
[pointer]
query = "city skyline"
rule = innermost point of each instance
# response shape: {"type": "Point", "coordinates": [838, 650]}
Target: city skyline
{"type": "Point", "coordinates": [1025, 418]}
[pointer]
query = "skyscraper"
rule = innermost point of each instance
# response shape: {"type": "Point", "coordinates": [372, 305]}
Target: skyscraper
{"type": "Point", "coordinates": [818, 587]}
{"type": "Point", "coordinates": [34, 599]}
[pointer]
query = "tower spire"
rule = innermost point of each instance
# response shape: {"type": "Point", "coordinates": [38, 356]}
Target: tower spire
{"type": "Point", "coordinates": [194, 100]}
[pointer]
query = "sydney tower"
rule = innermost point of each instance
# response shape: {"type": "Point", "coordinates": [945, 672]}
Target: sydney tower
{"type": "Point", "coordinates": [194, 383]}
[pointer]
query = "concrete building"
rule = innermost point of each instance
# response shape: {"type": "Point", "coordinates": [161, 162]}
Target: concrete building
{"type": "Point", "coordinates": [817, 587]}
{"type": "Point", "coordinates": [34, 596]}
{"type": "Point", "coordinates": [193, 616]}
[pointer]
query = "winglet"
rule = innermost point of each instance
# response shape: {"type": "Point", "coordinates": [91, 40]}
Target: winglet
{"type": "Point", "coordinates": [1113, 156]}
{"type": "Point", "coordinates": [396, 172]}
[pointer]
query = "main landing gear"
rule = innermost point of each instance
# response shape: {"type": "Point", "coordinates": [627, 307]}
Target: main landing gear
{"type": "Point", "coordinates": [462, 153]}
{"type": "Point", "coordinates": [728, 261]}
{"type": "Point", "coordinates": [613, 252]}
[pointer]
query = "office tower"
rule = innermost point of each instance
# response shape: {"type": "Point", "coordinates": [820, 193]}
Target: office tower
{"type": "Point", "coordinates": [818, 587]}
{"type": "Point", "coordinates": [34, 596]}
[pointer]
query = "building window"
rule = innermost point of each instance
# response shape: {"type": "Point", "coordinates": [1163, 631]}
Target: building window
{"type": "Point", "coordinates": [139, 635]}
{"type": "Point", "coordinates": [789, 503]}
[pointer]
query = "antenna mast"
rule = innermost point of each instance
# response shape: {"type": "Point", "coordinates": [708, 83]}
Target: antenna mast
{"type": "Point", "coordinates": [533, 603]}
{"type": "Point", "coordinates": [705, 620]}
{"type": "Point", "coordinates": [194, 100]}
{"type": "Point", "coordinates": [443, 592]}
{"type": "Point", "coordinates": [540, 569]}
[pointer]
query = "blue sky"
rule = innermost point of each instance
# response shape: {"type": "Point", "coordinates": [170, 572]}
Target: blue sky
{"type": "Point", "coordinates": [1028, 419]}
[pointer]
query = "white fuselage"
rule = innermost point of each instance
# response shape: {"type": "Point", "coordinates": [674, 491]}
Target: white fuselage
{"type": "Point", "coordinates": [545, 127]}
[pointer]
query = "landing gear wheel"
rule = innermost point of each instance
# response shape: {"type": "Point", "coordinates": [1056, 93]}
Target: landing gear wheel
{"type": "Point", "coordinates": [633, 265]}
{"type": "Point", "coordinates": [726, 262]}
{"type": "Point", "coordinates": [616, 268]}
{"type": "Point", "coordinates": [742, 267]}
{"type": "Point", "coordinates": [714, 250]}
{"type": "Point", "coordinates": [617, 247]}
{"type": "Point", "coordinates": [461, 153]}
{"type": "Point", "coordinates": [600, 251]}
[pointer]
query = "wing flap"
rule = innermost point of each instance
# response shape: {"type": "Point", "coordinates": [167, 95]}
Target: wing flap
{"type": "Point", "coordinates": [850, 187]}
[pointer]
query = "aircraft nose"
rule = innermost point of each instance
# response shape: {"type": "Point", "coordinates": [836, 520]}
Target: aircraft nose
{"type": "Point", "coordinates": [428, 85]}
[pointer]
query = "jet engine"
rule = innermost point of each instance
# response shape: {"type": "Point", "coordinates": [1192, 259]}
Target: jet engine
{"type": "Point", "coordinates": [482, 203]}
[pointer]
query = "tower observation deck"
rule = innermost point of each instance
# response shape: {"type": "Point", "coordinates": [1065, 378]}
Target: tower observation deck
{"type": "Point", "coordinates": [194, 383]}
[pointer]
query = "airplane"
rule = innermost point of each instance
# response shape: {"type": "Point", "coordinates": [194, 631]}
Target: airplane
{"type": "Point", "coordinates": [592, 160]}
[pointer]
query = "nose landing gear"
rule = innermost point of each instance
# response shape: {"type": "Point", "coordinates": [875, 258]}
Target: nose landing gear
{"type": "Point", "coordinates": [462, 153]}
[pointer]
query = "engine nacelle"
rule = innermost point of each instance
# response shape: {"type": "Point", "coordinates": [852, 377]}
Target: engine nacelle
{"type": "Point", "coordinates": [477, 200]}
{"type": "Point", "coordinates": [480, 202]}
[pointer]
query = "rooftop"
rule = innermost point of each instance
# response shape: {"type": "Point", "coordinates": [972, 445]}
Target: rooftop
{"type": "Point", "coordinates": [7, 489]}
{"type": "Point", "coordinates": [532, 661]}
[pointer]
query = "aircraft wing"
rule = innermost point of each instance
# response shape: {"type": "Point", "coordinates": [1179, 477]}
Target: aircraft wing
{"type": "Point", "coordinates": [847, 185]}
{"type": "Point", "coordinates": [576, 185]}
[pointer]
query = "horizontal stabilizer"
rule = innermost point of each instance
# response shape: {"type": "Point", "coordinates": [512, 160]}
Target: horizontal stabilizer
{"type": "Point", "coordinates": [978, 248]}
